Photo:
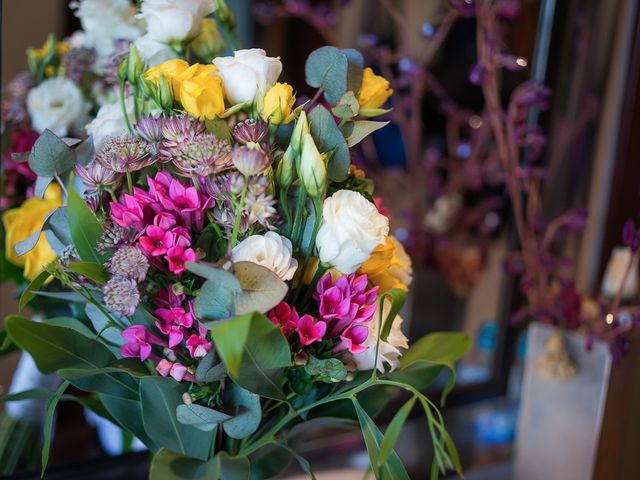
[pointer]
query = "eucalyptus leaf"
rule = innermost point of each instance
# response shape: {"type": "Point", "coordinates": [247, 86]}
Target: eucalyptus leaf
{"type": "Point", "coordinates": [233, 468]}
{"type": "Point", "coordinates": [217, 294]}
{"type": "Point", "coordinates": [210, 369]}
{"type": "Point", "coordinates": [42, 183]}
{"type": "Point", "coordinates": [203, 418]}
{"type": "Point", "coordinates": [246, 411]}
{"type": "Point", "coordinates": [85, 151]}
{"type": "Point", "coordinates": [357, 131]}
{"type": "Point", "coordinates": [51, 156]}
{"type": "Point", "coordinates": [101, 325]}
{"type": "Point", "coordinates": [262, 289]}
{"type": "Point", "coordinates": [355, 67]}
{"type": "Point", "coordinates": [326, 68]}
{"type": "Point", "coordinates": [328, 370]}
{"type": "Point", "coordinates": [255, 352]}
{"type": "Point", "coordinates": [73, 323]}
{"type": "Point", "coordinates": [348, 106]}
{"type": "Point", "coordinates": [328, 137]}
{"type": "Point", "coordinates": [58, 224]}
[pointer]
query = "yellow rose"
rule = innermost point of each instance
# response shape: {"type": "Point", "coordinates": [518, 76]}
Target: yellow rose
{"type": "Point", "coordinates": [278, 103]}
{"type": "Point", "coordinates": [374, 90]}
{"type": "Point", "coordinates": [389, 266]}
{"type": "Point", "coordinates": [202, 96]}
{"type": "Point", "coordinates": [21, 222]}
{"type": "Point", "coordinates": [209, 43]}
{"type": "Point", "coordinates": [173, 70]}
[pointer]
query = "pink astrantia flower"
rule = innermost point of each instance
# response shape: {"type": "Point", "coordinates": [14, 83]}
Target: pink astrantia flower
{"type": "Point", "coordinates": [345, 302]}
{"type": "Point", "coordinates": [139, 342]}
{"type": "Point", "coordinates": [352, 338]}
{"type": "Point", "coordinates": [285, 317]}
{"type": "Point", "coordinates": [198, 346]}
{"type": "Point", "coordinates": [176, 369]}
{"type": "Point", "coordinates": [178, 256]}
{"type": "Point", "coordinates": [310, 330]}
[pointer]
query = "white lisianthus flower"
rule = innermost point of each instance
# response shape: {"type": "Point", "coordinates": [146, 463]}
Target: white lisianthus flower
{"type": "Point", "coordinates": [390, 351]}
{"type": "Point", "coordinates": [153, 51]}
{"type": "Point", "coordinates": [105, 21]}
{"type": "Point", "coordinates": [351, 229]}
{"type": "Point", "coordinates": [248, 72]}
{"type": "Point", "coordinates": [171, 20]}
{"type": "Point", "coordinates": [56, 104]}
{"type": "Point", "coordinates": [270, 250]}
{"type": "Point", "coordinates": [110, 122]}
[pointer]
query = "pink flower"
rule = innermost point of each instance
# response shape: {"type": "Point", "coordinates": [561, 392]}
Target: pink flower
{"type": "Point", "coordinates": [198, 346]}
{"type": "Point", "coordinates": [168, 299]}
{"type": "Point", "coordinates": [177, 370]}
{"type": "Point", "coordinates": [156, 241]}
{"type": "Point", "coordinates": [164, 220]}
{"type": "Point", "coordinates": [139, 342]}
{"type": "Point", "coordinates": [128, 212]}
{"type": "Point", "coordinates": [352, 338]}
{"type": "Point", "coordinates": [177, 257]}
{"type": "Point", "coordinates": [174, 322]}
{"type": "Point", "coordinates": [310, 330]}
{"type": "Point", "coordinates": [284, 316]}
{"type": "Point", "coordinates": [175, 333]}
{"type": "Point", "coordinates": [345, 302]}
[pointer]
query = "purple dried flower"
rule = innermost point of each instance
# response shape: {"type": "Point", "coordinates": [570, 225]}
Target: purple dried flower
{"type": "Point", "coordinates": [78, 64]}
{"type": "Point", "coordinates": [98, 177]}
{"type": "Point", "coordinates": [512, 62]}
{"type": "Point", "coordinates": [576, 219]}
{"type": "Point", "coordinates": [129, 262]}
{"type": "Point", "coordinates": [204, 155]}
{"type": "Point", "coordinates": [125, 153]}
{"type": "Point", "coordinates": [115, 236]}
{"type": "Point", "coordinates": [530, 94]}
{"type": "Point", "coordinates": [176, 131]}
{"type": "Point", "coordinates": [509, 9]}
{"type": "Point", "coordinates": [149, 129]}
{"type": "Point", "coordinates": [121, 296]}
{"type": "Point", "coordinates": [250, 131]}
{"type": "Point", "coordinates": [250, 161]}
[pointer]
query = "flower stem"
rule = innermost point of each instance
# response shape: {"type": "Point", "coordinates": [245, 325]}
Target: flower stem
{"type": "Point", "coordinates": [130, 183]}
{"type": "Point", "coordinates": [239, 211]}
{"type": "Point", "coordinates": [123, 104]}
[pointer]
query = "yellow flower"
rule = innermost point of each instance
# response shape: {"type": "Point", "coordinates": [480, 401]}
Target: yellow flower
{"type": "Point", "coordinates": [374, 90]}
{"type": "Point", "coordinates": [277, 104]}
{"type": "Point", "coordinates": [172, 70]}
{"type": "Point", "coordinates": [209, 43]}
{"type": "Point", "coordinates": [39, 53]}
{"type": "Point", "coordinates": [389, 266]}
{"type": "Point", "coordinates": [21, 222]}
{"type": "Point", "coordinates": [202, 96]}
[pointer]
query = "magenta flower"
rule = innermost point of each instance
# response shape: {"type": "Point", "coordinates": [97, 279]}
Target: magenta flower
{"type": "Point", "coordinates": [310, 330]}
{"type": "Point", "coordinates": [176, 369]}
{"type": "Point", "coordinates": [345, 302]}
{"type": "Point", "coordinates": [175, 315]}
{"type": "Point", "coordinates": [156, 241]}
{"type": "Point", "coordinates": [129, 212]}
{"type": "Point", "coordinates": [285, 317]}
{"type": "Point", "coordinates": [164, 220]}
{"type": "Point", "coordinates": [175, 333]}
{"type": "Point", "coordinates": [177, 257]}
{"type": "Point", "coordinates": [167, 298]}
{"type": "Point", "coordinates": [198, 346]}
{"type": "Point", "coordinates": [139, 342]}
{"type": "Point", "coordinates": [352, 338]}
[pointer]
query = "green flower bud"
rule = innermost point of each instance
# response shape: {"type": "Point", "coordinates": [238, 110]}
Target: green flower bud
{"type": "Point", "coordinates": [299, 131]}
{"type": "Point", "coordinates": [209, 43]}
{"type": "Point", "coordinates": [164, 94]}
{"type": "Point", "coordinates": [224, 14]}
{"type": "Point", "coordinates": [313, 171]}
{"type": "Point", "coordinates": [284, 170]}
{"type": "Point", "coordinates": [135, 65]}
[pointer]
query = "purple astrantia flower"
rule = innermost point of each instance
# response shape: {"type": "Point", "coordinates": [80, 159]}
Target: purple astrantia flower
{"type": "Point", "coordinates": [202, 156]}
{"type": "Point", "coordinates": [121, 295]}
{"type": "Point", "coordinates": [97, 177]}
{"type": "Point", "coordinates": [249, 161]}
{"type": "Point", "coordinates": [125, 154]}
{"type": "Point", "coordinates": [129, 262]}
{"type": "Point", "coordinates": [250, 131]}
{"type": "Point", "coordinates": [139, 342]}
{"type": "Point", "coordinates": [176, 132]}
{"type": "Point", "coordinates": [149, 129]}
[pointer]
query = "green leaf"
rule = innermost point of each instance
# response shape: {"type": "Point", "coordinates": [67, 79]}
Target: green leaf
{"type": "Point", "coordinates": [48, 424]}
{"type": "Point", "coordinates": [328, 138]}
{"type": "Point", "coordinates": [393, 431]}
{"type": "Point", "coordinates": [374, 112]}
{"type": "Point", "coordinates": [217, 294]}
{"type": "Point", "coordinates": [203, 418]}
{"type": "Point", "coordinates": [304, 464]}
{"type": "Point", "coordinates": [72, 323]}
{"type": "Point", "coordinates": [326, 68]}
{"type": "Point", "coordinates": [347, 107]}
{"type": "Point", "coordinates": [55, 347]}
{"type": "Point", "coordinates": [93, 271]}
{"type": "Point", "coordinates": [354, 69]}
{"type": "Point", "coordinates": [328, 370]}
{"type": "Point", "coordinates": [37, 393]}
{"type": "Point", "coordinates": [357, 131]}
{"type": "Point", "coordinates": [85, 228]}
{"type": "Point", "coordinates": [128, 414]}
{"type": "Point", "coordinates": [210, 369]}
{"type": "Point", "coordinates": [35, 284]}
{"type": "Point", "coordinates": [397, 297]}
{"type": "Point", "coordinates": [100, 323]}
{"type": "Point", "coordinates": [420, 374]}
{"type": "Point", "coordinates": [51, 156]}
{"type": "Point", "coordinates": [159, 397]}
{"type": "Point", "coordinates": [85, 152]}
{"type": "Point", "coordinates": [233, 468]}
{"type": "Point", "coordinates": [262, 289]}
{"type": "Point", "coordinates": [255, 353]}
{"type": "Point", "coordinates": [443, 348]}
{"type": "Point", "coordinates": [246, 411]}
{"type": "Point", "coordinates": [220, 128]}
{"type": "Point", "coordinates": [167, 465]}
{"type": "Point", "coordinates": [392, 468]}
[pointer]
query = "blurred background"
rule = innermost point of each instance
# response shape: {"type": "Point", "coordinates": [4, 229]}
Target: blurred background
{"type": "Point", "coordinates": [442, 185]}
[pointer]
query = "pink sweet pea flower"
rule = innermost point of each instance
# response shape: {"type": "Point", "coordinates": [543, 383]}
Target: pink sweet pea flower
{"type": "Point", "coordinates": [177, 257]}
{"type": "Point", "coordinates": [175, 315]}
{"type": "Point", "coordinates": [139, 342]}
{"type": "Point", "coordinates": [284, 316]}
{"type": "Point", "coordinates": [352, 338]}
{"type": "Point", "coordinates": [310, 330]}
{"type": "Point", "coordinates": [175, 333]}
{"type": "Point", "coordinates": [177, 370]}
{"type": "Point", "coordinates": [197, 346]}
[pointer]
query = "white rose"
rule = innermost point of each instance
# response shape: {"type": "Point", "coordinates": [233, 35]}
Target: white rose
{"type": "Point", "coordinates": [171, 20]}
{"type": "Point", "coordinates": [246, 73]}
{"type": "Point", "coordinates": [110, 122]}
{"type": "Point", "coordinates": [389, 352]}
{"type": "Point", "coordinates": [56, 104]}
{"type": "Point", "coordinates": [269, 250]}
{"type": "Point", "coordinates": [351, 229]}
{"type": "Point", "coordinates": [105, 21]}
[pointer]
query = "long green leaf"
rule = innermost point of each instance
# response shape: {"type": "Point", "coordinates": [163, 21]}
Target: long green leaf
{"type": "Point", "coordinates": [392, 469]}
{"type": "Point", "coordinates": [48, 424]}
{"type": "Point", "coordinates": [39, 393]}
{"type": "Point", "coordinates": [93, 271]}
{"type": "Point", "coordinates": [36, 283]}
{"type": "Point", "coordinates": [159, 397]}
{"type": "Point", "coordinates": [393, 430]}
{"type": "Point", "coordinates": [302, 462]}
{"type": "Point", "coordinates": [255, 353]}
{"type": "Point", "coordinates": [128, 414]}
{"type": "Point", "coordinates": [397, 297]}
{"type": "Point", "coordinates": [168, 465]}
{"type": "Point", "coordinates": [85, 228]}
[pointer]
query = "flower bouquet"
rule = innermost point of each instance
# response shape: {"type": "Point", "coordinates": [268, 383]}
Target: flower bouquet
{"type": "Point", "coordinates": [237, 283]}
